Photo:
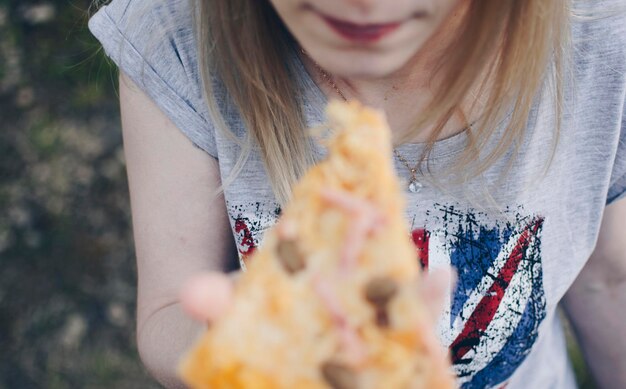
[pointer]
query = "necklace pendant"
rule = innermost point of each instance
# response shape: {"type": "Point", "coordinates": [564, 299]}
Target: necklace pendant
{"type": "Point", "coordinates": [415, 186]}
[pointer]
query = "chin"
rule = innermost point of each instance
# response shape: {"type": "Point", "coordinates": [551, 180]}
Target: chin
{"type": "Point", "coordinates": [360, 64]}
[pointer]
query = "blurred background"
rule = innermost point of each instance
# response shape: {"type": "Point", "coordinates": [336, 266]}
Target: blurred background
{"type": "Point", "coordinates": [67, 270]}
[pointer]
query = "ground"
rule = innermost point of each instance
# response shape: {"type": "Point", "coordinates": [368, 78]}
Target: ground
{"type": "Point", "coordinates": [67, 285]}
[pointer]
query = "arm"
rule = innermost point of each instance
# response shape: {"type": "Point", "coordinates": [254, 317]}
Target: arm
{"type": "Point", "coordinates": [596, 302]}
{"type": "Point", "coordinates": [180, 227]}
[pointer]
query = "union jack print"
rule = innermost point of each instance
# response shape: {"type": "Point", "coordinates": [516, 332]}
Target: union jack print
{"type": "Point", "coordinates": [498, 302]}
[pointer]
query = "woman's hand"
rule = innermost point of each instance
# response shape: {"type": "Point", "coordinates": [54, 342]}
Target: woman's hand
{"type": "Point", "coordinates": [206, 296]}
{"type": "Point", "coordinates": [433, 289]}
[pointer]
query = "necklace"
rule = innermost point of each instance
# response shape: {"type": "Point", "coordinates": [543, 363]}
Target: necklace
{"type": "Point", "coordinates": [414, 185]}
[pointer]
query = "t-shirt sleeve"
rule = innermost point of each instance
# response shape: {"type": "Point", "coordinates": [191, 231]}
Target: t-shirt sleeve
{"type": "Point", "coordinates": [152, 42]}
{"type": "Point", "coordinates": [617, 184]}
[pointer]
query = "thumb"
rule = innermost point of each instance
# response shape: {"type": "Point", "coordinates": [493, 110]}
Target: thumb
{"type": "Point", "coordinates": [206, 296]}
{"type": "Point", "coordinates": [435, 287]}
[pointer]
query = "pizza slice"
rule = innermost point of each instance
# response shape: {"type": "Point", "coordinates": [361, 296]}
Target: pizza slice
{"type": "Point", "coordinates": [329, 300]}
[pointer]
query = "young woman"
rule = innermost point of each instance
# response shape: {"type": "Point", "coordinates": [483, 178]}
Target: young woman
{"type": "Point", "coordinates": [510, 134]}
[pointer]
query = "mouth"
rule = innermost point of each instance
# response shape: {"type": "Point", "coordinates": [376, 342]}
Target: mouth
{"type": "Point", "coordinates": [362, 33]}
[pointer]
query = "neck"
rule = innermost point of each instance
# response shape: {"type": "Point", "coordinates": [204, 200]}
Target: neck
{"type": "Point", "coordinates": [416, 75]}
{"type": "Point", "coordinates": [407, 92]}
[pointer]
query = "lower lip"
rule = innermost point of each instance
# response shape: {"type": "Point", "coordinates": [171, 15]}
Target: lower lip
{"type": "Point", "coordinates": [361, 33]}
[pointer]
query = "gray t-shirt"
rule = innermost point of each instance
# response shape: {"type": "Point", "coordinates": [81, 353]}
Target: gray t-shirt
{"type": "Point", "coordinates": [514, 265]}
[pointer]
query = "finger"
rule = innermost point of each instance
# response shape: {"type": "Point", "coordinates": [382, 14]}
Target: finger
{"type": "Point", "coordinates": [431, 343]}
{"type": "Point", "coordinates": [205, 297]}
{"type": "Point", "coordinates": [435, 287]}
{"type": "Point", "coordinates": [287, 229]}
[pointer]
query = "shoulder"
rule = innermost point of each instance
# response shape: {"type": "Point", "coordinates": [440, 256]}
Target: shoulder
{"type": "Point", "coordinates": [158, 31]}
{"type": "Point", "coordinates": [598, 91]}
{"type": "Point", "coordinates": [599, 32]}
{"type": "Point", "coordinates": [598, 52]}
{"type": "Point", "coordinates": [153, 42]}
{"type": "Point", "coordinates": [140, 19]}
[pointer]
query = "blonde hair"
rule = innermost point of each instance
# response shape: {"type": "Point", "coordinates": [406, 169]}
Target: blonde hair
{"type": "Point", "coordinates": [244, 45]}
{"type": "Point", "coordinates": [522, 44]}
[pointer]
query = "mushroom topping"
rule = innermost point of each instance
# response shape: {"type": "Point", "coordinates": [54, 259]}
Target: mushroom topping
{"type": "Point", "coordinates": [378, 292]}
{"type": "Point", "coordinates": [290, 256]}
{"type": "Point", "coordinates": [339, 376]}
{"type": "Point", "coordinates": [382, 317]}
